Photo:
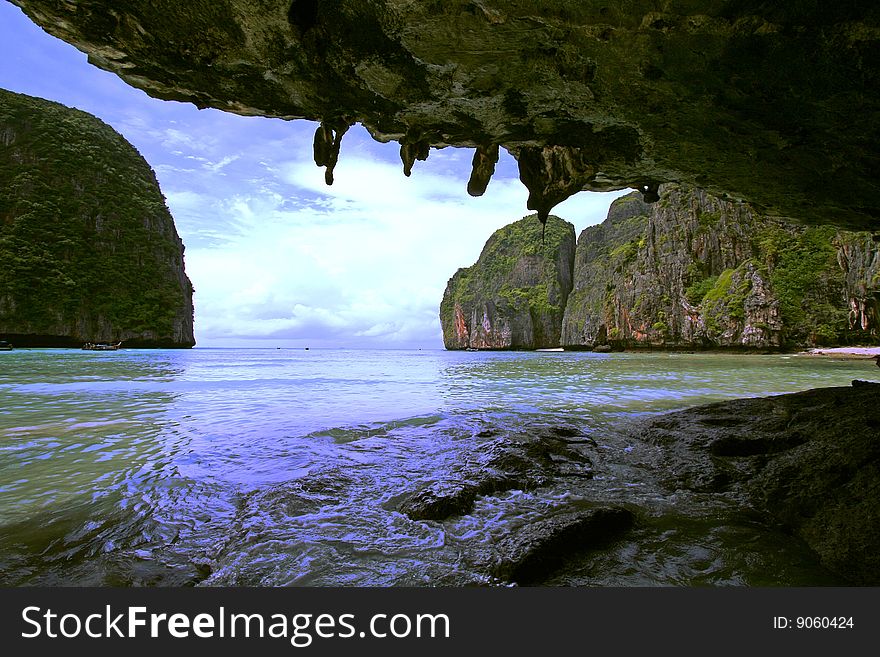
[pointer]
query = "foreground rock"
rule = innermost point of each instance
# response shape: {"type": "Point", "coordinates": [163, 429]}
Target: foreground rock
{"type": "Point", "coordinates": [88, 250]}
{"type": "Point", "coordinates": [769, 491]}
{"type": "Point", "coordinates": [509, 463]}
{"type": "Point", "coordinates": [774, 103]}
{"type": "Point", "coordinates": [808, 462]}
{"type": "Point", "coordinates": [542, 548]}
{"type": "Point", "coordinates": [514, 296]}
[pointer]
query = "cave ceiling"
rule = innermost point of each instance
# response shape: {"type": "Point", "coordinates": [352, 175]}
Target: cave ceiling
{"type": "Point", "coordinates": [768, 102]}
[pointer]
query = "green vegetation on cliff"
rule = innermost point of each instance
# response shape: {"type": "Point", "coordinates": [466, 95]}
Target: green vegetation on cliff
{"type": "Point", "coordinates": [515, 294]}
{"type": "Point", "coordinates": [725, 300]}
{"type": "Point", "coordinates": [695, 271]}
{"type": "Point", "coordinates": [807, 280]}
{"type": "Point", "coordinates": [88, 249]}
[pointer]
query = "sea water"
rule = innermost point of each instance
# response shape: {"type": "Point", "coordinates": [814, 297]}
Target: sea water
{"type": "Point", "coordinates": [286, 467]}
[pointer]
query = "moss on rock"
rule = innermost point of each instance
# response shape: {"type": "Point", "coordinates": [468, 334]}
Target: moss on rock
{"type": "Point", "coordinates": [515, 294]}
{"type": "Point", "coordinates": [696, 271]}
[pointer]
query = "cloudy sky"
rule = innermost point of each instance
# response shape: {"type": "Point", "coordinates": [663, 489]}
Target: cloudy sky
{"type": "Point", "coordinates": [276, 257]}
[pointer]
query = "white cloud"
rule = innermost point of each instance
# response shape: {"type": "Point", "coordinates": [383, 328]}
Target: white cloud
{"type": "Point", "coordinates": [215, 167]}
{"type": "Point", "coordinates": [175, 138]}
{"type": "Point", "coordinates": [362, 262]}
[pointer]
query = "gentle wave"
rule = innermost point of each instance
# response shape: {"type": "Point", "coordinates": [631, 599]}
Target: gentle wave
{"type": "Point", "coordinates": [264, 467]}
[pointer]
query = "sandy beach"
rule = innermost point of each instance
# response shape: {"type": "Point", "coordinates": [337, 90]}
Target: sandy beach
{"type": "Point", "coordinates": [843, 352]}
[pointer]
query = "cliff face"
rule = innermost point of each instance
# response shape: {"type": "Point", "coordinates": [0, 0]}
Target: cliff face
{"type": "Point", "coordinates": [515, 294]}
{"type": "Point", "coordinates": [88, 249]}
{"type": "Point", "coordinates": [695, 271]}
{"type": "Point", "coordinates": [774, 103]}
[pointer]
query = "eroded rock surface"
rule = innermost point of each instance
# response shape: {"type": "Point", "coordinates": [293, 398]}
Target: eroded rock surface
{"type": "Point", "coordinates": [695, 271]}
{"type": "Point", "coordinates": [523, 463]}
{"type": "Point", "coordinates": [763, 491]}
{"type": "Point", "coordinates": [774, 103]}
{"type": "Point", "coordinates": [541, 548]}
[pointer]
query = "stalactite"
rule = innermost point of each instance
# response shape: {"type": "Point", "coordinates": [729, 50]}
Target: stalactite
{"type": "Point", "coordinates": [552, 174]}
{"type": "Point", "coordinates": [482, 169]}
{"type": "Point", "coordinates": [328, 138]}
{"type": "Point", "coordinates": [412, 150]}
{"type": "Point", "coordinates": [408, 157]}
{"type": "Point", "coordinates": [322, 144]}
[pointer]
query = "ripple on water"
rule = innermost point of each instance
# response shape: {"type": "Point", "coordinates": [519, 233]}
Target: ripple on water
{"type": "Point", "coordinates": [256, 467]}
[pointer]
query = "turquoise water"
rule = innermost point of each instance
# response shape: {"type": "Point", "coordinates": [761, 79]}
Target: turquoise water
{"type": "Point", "coordinates": [284, 467]}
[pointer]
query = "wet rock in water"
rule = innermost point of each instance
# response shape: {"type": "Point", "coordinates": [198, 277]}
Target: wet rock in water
{"type": "Point", "coordinates": [752, 446]}
{"type": "Point", "coordinates": [769, 491]}
{"type": "Point", "coordinates": [297, 497]}
{"type": "Point", "coordinates": [443, 499]}
{"type": "Point", "coordinates": [506, 464]}
{"type": "Point", "coordinates": [808, 462]}
{"type": "Point", "coordinates": [540, 548]}
{"type": "Point", "coordinates": [569, 434]}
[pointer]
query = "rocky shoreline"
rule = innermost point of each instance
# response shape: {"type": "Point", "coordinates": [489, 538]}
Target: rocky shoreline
{"type": "Point", "coordinates": [771, 491]}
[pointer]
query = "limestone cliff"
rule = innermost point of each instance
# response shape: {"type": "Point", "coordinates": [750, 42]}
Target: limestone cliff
{"type": "Point", "coordinates": [695, 271]}
{"type": "Point", "coordinates": [88, 248]}
{"type": "Point", "coordinates": [515, 294]}
{"type": "Point", "coordinates": [774, 103]}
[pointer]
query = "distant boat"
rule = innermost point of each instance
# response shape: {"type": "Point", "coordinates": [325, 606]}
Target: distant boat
{"type": "Point", "coordinates": [101, 346]}
{"type": "Point", "coordinates": [5, 346]}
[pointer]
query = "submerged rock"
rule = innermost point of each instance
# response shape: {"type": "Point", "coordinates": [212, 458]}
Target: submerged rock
{"type": "Point", "coordinates": [769, 491]}
{"type": "Point", "coordinates": [808, 462]}
{"type": "Point", "coordinates": [541, 548]}
{"type": "Point", "coordinates": [514, 463]}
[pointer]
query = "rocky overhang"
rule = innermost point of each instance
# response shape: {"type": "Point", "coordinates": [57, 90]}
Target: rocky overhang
{"type": "Point", "coordinates": [771, 103]}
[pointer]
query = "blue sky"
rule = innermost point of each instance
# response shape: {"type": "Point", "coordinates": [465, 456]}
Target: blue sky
{"type": "Point", "coordinates": [277, 258]}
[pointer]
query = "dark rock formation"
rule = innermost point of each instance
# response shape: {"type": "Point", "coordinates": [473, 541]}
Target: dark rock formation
{"type": "Point", "coordinates": [512, 463]}
{"type": "Point", "coordinates": [88, 249]}
{"type": "Point", "coordinates": [696, 271]}
{"type": "Point", "coordinates": [783, 457]}
{"type": "Point", "coordinates": [775, 491]}
{"type": "Point", "coordinates": [774, 103]}
{"type": "Point", "coordinates": [542, 548]}
{"type": "Point", "coordinates": [769, 491]}
{"type": "Point", "coordinates": [514, 296]}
